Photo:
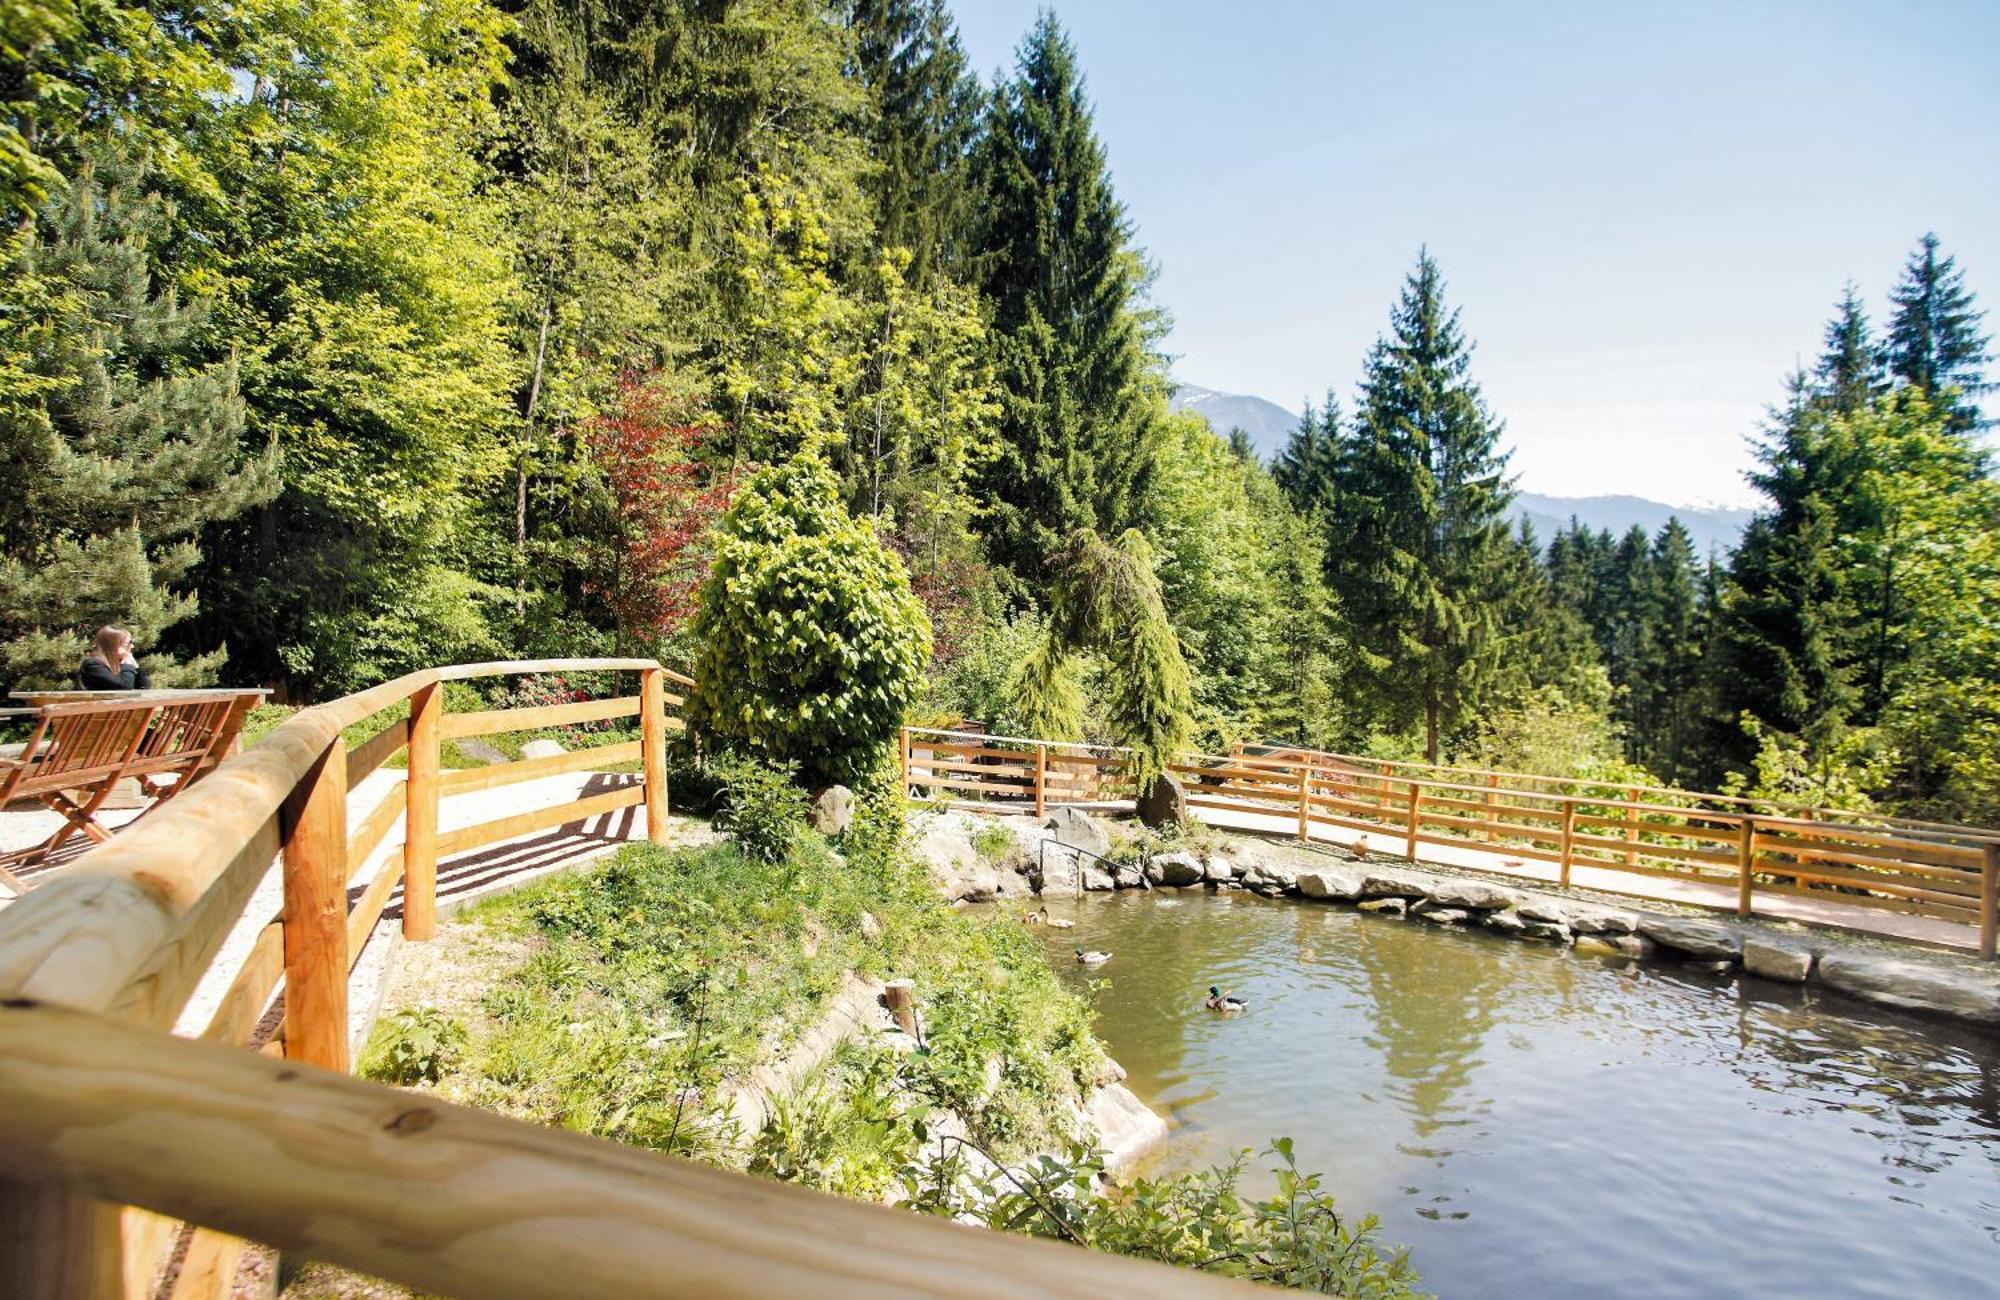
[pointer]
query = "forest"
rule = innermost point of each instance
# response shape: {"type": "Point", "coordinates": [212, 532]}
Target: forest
{"type": "Point", "coordinates": [340, 337]}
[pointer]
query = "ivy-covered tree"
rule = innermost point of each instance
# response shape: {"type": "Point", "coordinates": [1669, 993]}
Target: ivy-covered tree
{"type": "Point", "coordinates": [1419, 542]}
{"type": "Point", "coordinates": [120, 437]}
{"type": "Point", "coordinates": [810, 646]}
{"type": "Point", "coordinates": [1081, 399]}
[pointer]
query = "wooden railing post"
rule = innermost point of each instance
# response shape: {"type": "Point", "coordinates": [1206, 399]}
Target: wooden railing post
{"type": "Point", "coordinates": [1568, 853]}
{"type": "Point", "coordinates": [1383, 803]}
{"type": "Point", "coordinates": [1746, 853]}
{"type": "Point", "coordinates": [1041, 776]}
{"type": "Point", "coordinates": [1632, 826]}
{"type": "Point", "coordinates": [1305, 798]}
{"type": "Point", "coordinates": [653, 749]}
{"type": "Point", "coordinates": [1492, 805]}
{"type": "Point", "coordinates": [314, 824]}
{"type": "Point", "coordinates": [1416, 805]}
{"type": "Point", "coordinates": [1989, 900]}
{"type": "Point", "coordinates": [420, 817]}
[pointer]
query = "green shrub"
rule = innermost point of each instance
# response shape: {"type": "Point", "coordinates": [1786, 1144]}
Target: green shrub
{"type": "Point", "coordinates": [812, 646]}
{"type": "Point", "coordinates": [763, 807]}
{"type": "Point", "coordinates": [415, 1045]}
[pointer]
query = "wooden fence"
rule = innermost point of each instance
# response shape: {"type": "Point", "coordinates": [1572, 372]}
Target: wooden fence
{"type": "Point", "coordinates": [1925, 868]}
{"type": "Point", "coordinates": [113, 1131]}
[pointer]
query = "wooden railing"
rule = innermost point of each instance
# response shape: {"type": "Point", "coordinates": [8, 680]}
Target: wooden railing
{"type": "Point", "coordinates": [1924, 868]}
{"type": "Point", "coordinates": [112, 1130]}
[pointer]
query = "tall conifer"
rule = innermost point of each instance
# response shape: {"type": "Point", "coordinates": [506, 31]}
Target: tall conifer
{"type": "Point", "coordinates": [1934, 341]}
{"type": "Point", "coordinates": [1420, 543]}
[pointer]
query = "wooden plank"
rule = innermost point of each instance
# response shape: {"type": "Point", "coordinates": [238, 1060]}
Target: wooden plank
{"type": "Point", "coordinates": [653, 752]}
{"type": "Point", "coordinates": [492, 722]}
{"type": "Point", "coordinates": [921, 753]}
{"type": "Point", "coordinates": [935, 765]}
{"type": "Point", "coordinates": [378, 749]}
{"type": "Point", "coordinates": [1880, 884]}
{"type": "Point", "coordinates": [1566, 855]}
{"type": "Point", "coordinates": [374, 827]}
{"type": "Point", "coordinates": [147, 1238]}
{"type": "Point", "coordinates": [464, 780]}
{"type": "Point", "coordinates": [208, 1270]}
{"type": "Point", "coordinates": [315, 916]}
{"type": "Point", "coordinates": [1041, 780]}
{"type": "Point", "coordinates": [420, 814]}
{"type": "Point", "coordinates": [1702, 834]}
{"type": "Point", "coordinates": [1673, 851]}
{"type": "Point", "coordinates": [1902, 906]}
{"type": "Point", "coordinates": [368, 908]}
{"type": "Point", "coordinates": [1989, 902]}
{"type": "Point", "coordinates": [243, 1004]}
{"type": "Point", "coordinates": [1811, 851]}
{"type": "Point", "coordinates": [506, 828]}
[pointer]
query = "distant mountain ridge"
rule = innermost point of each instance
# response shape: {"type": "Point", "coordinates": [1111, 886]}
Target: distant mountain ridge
{"type": "Point", "coordinates": [1713, 528]}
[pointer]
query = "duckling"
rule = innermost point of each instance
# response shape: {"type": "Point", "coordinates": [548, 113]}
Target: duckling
{"type": "Point", "coordinates": [1035, 918]}
{"type": "Point", "coordinates": [1091, 958]}
{"type": "Point", "coordinates": [1227, 1003]}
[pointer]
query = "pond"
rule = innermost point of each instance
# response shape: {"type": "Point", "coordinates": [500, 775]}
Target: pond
{"type": "Point", "coordinates": [1530, 1122]}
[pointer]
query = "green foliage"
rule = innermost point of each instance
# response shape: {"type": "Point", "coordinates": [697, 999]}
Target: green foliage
{"type": "Point", "coordinates": [1294, 1238]}
{"type": "Point", "coordinates": [763, 808]}
{"type": "Point", "coordinates": [843, 1130]}
{"type": "Point", "coordinates": [414, 1045]}
{"type": "Point", "coordinates": [1836, 768]}
{"type": "Point", "coordinates": [811, 645]}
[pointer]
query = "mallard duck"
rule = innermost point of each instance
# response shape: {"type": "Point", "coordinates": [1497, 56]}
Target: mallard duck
{"type": "Point", "coordinates": [1057, 922]}
{"type": "Point", "coordinates": [1091, 958]}
{"type": "Point", "coordinates": [1224, 1002]}
{"type": "Point", "coordinates": [1035, 918]}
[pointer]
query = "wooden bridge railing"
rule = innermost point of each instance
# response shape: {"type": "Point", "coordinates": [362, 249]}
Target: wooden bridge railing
{"type": "Point", "coordinates": [112, 1129]}
{"type": "Point", "coordinates": [1900, 864]}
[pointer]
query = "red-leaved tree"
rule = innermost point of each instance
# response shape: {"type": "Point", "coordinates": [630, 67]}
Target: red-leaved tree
{"type": "Point", "coordinates": [648, 448]}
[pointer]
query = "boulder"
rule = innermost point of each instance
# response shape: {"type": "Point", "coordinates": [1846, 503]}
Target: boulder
{"type": "Point", "coordinates": [1704, 940]}
{"type": "Point", "coordinates": [1444, 915]}
{"type": "Point", "coordinates": [1472, 896]}
{"type": "Point", "coordinates": [980, 885]}
{"type": "Point", "coordinates": [1164, 803]}
{"type": "Point", "coordinates": [1632, 947]}
{"type": "Point", "coordinates": [1914, 985]}
{"type": "Point", "coordinates": [1385, 885]}
{"type": "Point", "coordinates": [1128, 876]}
{"type": "Point", "coordinates": [1179, 869]}
{"type": "Point", "coordinates": [833, 810]}
{"type": "Point", "coordinates": [1385, 906]}
{"type": "Point", "coordinates": [1534, 907]}
{"type": "Point", "coordinates": [473, 747]}
{"type": "Point", "coordinates": [946, 850]}
{"type": "Point", "coordinates": [1285, 874]}
{"type": "Point", "coordinates": [870, 927]}
{"type": "Point", "coordinates": [1776, 961]}
{"type": "Point", "coordinates": [1549, 931]}
{"type": "Point", "coordinates": [1096, 879]}
{"type": "Point", "coordinates": [1219, 871]}
{"type": "Point", "coordinates": [1058, 871]}
{"type": "Point", "coordinates": [1602, 921]}
{"type": "Point", "coordinates": [1330, 882]}
{"type": "Point", "coordinates": [542, 749]}
{"type": "Point", "coordinates": [1079, 829]}
{"type": "Point", "coordinates": [1508, 923]}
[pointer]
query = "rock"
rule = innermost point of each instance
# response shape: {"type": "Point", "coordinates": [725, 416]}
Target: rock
{"type": "Point", "coordinates": [981, 885]}
{"type": "Point", "coordinates": [1551, 931]}
{"type": "Point", "coordinates": [1330, 882]}
{"type": "Point", "coordinates": [1444, 915]}
{"type": "Point", "coordinates": [947, 853]}
{"type": "Point", "coordinates": [1058, 871]}
{"type": "Point", "coordinates": [1536, 908]}
{"type": "Point", "coordinates": [833, 810]}
{"type": "Point", "coordinates": [1122, 1125]}
{"type": "Point", "coordinates": [1914, 985]}
{"type": "Point", "coordinates": [1473, 896]}
{"type": "Point", "coordinates": [1701, 939]}
{"type": "Point", "coordinates": [1096, 879]}
{"type": "Point", "coordinates": [1390, 886]}
{"type": "Point", "coordinates": [1285, 874]}
{"type": "Point", "coordinates": [1079, 829]}
{"type": "Point", "coordinates": [1385, 906]}
{"type": "Point", "coordinates": [1219, 871]}
{"type": "Point", "coordinates": [1164, 803]}
{"type": "Point", "coordinates": [474, 747]}
{"type": "Point", "coordinates": [1631, 947]}
{"type": "Point", "coordinates": [870, 927]}
{"type": "Point", "coordinates": [542, 749]}
{"type": "Point", "coordinates": [1179, 869]}
{"type": "Point", "coordinates": [1509, 923]}
{"type": "Point", "coordinates": [1776, 961]}
{"type": "Point", "coordinates": [1128, 877]}
{"type": "Point", "coordinates": [1601, 921]}
{"type": "Point", "coordinates": [1108, 1073]}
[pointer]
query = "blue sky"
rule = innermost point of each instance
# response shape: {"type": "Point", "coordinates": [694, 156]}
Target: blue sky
{"type": "Point", "coordinates": [1646, 212]}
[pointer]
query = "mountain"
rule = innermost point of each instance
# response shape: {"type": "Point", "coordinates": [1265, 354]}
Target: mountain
{"type": "Point", "coordinates": [1267, 423]}
{"type": "Point", "coordinates": [1712, 527]}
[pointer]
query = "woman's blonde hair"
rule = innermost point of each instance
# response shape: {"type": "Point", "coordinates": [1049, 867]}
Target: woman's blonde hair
{"type": "Point", "coordinates": [109, 641]}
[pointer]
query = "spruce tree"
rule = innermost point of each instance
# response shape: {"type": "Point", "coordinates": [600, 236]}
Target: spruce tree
{"type": "Point", "coordinates": [1671, 684]}
{"type": "Point", "coordinates": [1934, 341]}
{"type": "Point", "coordinates": [1848, 371]}
{"type": "Point", "coordinates": [1304, 468]}
{"type": "Point", "coordinates": [1081, 400]}
{"type": "Point", "coordinates": [121, 438]}
{"type": "Point", "coordinates": [1421, 538]}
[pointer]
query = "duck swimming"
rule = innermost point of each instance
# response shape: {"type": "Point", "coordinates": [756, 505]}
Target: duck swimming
{"type": "Point", "coordinates": [1091, 958]}
{"type": "Point", "coordinates": [1227, 1003]}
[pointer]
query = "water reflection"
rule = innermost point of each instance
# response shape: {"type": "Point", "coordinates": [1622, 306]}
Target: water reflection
{"type": "Point", "coordinates": [1531, 1122]}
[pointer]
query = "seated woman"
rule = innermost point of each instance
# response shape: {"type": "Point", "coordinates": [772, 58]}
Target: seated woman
{"type": "Point", "coordinates": [110, 666]}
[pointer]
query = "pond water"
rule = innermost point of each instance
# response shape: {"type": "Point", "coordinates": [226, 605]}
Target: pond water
{"type": "Point", "coordinates": [1533, 1123]}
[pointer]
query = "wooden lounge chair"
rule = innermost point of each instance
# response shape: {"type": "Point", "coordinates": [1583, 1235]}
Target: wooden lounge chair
{"type": "Point", "coordinates": [75, 755]}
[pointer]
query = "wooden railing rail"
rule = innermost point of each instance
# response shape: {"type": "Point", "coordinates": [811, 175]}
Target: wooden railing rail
{"type": "Point", "coordinates": [1925, 868]}
{"type": "Point", "coordinates": [130, 930]}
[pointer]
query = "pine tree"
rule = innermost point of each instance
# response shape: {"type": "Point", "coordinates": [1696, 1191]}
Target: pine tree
{"type": "Point", "coordinates": [1080, 395]}
{"type": "Point", "coordinates": [121, 439]}
{"type": "Point", "coordinates": [1422, 531]}
{"type": "Point", "coordinates": [1934, 341]}
{"type": "Point", "coordinates": [1848, 371]}
{"type": "Point", "coordinates": [1305, 466]}
{"type": "Point", "coordinates": [1672, 683]}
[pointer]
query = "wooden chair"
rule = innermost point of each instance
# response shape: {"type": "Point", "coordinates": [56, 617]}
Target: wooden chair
{"type": "Point", "coordinates": [74, 757]}
{"type": "Point", "coordinates": [184, 741]}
